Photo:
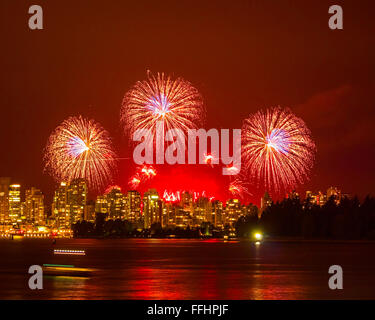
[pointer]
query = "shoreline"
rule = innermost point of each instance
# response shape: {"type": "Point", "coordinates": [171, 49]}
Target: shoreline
{"type": "Point", "coordinates": [268, 240]}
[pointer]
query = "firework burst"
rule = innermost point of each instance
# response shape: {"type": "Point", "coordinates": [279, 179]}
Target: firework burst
{"type": "Point", "coordinates": [142, 174]}
{"type": "Point", "coordinates": [277, 149]}
{"type": "Point", "coordinates": [80, 148]}
{"type": "Point", "coordinates": [238, 185]}
{"type": "Point", "coordinates": [160, 98]}
{"type": "Point", "coordinates": [134, 181]}
{"type": "Point", "coordinates": [235, 188]}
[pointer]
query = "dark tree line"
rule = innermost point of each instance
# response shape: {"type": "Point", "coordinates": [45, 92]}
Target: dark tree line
{"type": "Point", "coordinates": [349, 219]}
{"type": "Point", "coordinates": [103, 228]}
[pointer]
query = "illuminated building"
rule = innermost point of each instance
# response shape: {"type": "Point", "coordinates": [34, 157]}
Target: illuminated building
{"type": "Point", "coordinates": [76, 198]}
{"type": "Point", "coordinates": [133, 206]}
{"type": "Point", "coordinates": [183, 217]}
{"type": "Point", "coordinates": [186, 201]}
{"type": "Point", "coordinates": [335, 193]}
{"type": "Point", "coordinates": [265, 201]}
{"type": "Point", "coordinates": [89, 214]}
{"type": "Point", "coordinates": [250, 209]}
{"type": "Point", "coordinates": [152, 209]}
{"type": "Point", "coordinates": [34, 207]}
{"type": "Point", "coordinates": [168, 214]}
{"type": "Point", "coordinates": [4, 200]}
{"type": "Point", "coordinates": [293, 195]}
{"type": "Point", "coordinates": [217, 214]}
{"type": "Point", "coordinates": [233, 211]}
{"type": "Point", "coordinates": [101, 205]}
{"type": "Point", "coordinates": [15, 203]}
{"type": "Point", "coordinates": [62, 218]}
{"type": "Point", "coordinates": [116, 202]}
{"type": "Point", "coordinates": [318, 199]}
{"type": "Point", "coordinates": [309, 194]}
{"type": "Point", "coordinates": [202, 212]}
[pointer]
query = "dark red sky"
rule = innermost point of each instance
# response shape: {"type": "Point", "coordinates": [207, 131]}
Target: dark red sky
{"type": "Point", "coordinates": [241, 55]}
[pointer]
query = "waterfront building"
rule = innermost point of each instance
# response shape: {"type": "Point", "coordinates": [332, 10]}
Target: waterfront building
{"type": "Point", "coordinates": [116, 203]}
{"type": "Point", "coordinates": [4, 200]}
{"type": "Point", "coordinates": [76, 199]}
{"type": "Point", "coordinates": [133, 206]}
{"type": "Point", "coordinates": [34, 207]}
{"type": "Point", "coordinates": [15, 204]}
{"type": "Point", "coordinates": [152, 208]}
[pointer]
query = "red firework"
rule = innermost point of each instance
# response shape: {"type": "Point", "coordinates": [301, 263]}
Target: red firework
{"type": "Point", "coordinates": [277, 149]}
{"type": "Point", "coordinates": [142, 174]}
{"type": "Point", "coordinates": [174, 102]}
{"type": "Point", "coordinates": [80, 148]}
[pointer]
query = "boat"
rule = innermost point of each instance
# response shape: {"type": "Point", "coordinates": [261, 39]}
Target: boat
{"type": "Point", "coordinates": [69, 252]}
{"type": "Point", "coordinates": [66, 270]}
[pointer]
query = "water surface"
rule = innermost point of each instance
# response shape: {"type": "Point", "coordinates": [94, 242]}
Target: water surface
{"type": "Point", "coordinates": [190, 269]}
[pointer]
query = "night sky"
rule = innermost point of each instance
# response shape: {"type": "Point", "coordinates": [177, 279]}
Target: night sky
{"type": "Point", "coordinates": [241, 55]}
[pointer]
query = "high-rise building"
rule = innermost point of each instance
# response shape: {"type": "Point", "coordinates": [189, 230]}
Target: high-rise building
{"type": "Point", "coordinates": [101, 205]}
{"type": "Point", "coordinates": [116, 202]}
{"type": "Point", "coordinates": [15, 203]}
{"type": "Point", "coordinates": [233, 211]}
{"type": "Point", "coordinates": [90, 211]}
{"type": "Point", "coordinates": [76, 199]}
{"type": "Point", "coordinates": [59, 212]}
{"type": "Point", "coordinates": [187, 202]}
{"type": "Point", "coordinates": [152, 208]}
{"type": "Point", "coordinates": [69, 203]}
{"type": "Point", "coordinates": [183, 217]}
{"type": "Point", "coordinates": [34, 207]}
{"type": "Point", "coordinates": [168, 214]}
{"type": "Point", "coordinates": [202, 212]}
{"type": "Point", "coordinates": [184, 210]}
{"type": "Point", "coordinates": [265, 201]}
{"type": "Point", "coordinates": [133, 209]}
{"type": "Point", "coordinates": [4, 200]}
{"type": "Point", "coordinates": [217, 214]}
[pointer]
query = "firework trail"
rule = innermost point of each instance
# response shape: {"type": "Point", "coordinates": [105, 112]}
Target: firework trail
{"type": "Point", "coordinates": [235, 188]}
{"type": "Point", "coordinates": [160, 98]}
{"type": "Point", "coordinates": [134, 182]}
{"type": "Point", "coordinates": [80, 148]}
{"type": "Point", "coordinates": [238, 185]}
{"type": "Point", "coordinates": [148, 171]}
{"type": "Point", "coordinates": [143, 174]}
{"type": "Point", "coordinates": [277, 149]}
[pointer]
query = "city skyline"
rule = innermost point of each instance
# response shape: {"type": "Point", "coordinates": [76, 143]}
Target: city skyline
{"type": "Point", "coordinates": [170, 209]}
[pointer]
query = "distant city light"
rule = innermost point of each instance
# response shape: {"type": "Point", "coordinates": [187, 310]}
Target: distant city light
{"type": "Point", "coordinates": [258, 236]}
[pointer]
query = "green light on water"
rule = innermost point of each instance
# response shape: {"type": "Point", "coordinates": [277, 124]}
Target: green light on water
{"type": "Point", "coordinates": [58, 265]}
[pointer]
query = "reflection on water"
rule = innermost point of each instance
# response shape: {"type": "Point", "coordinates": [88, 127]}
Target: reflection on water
{"type": "Point", "coordinates": [190, 269]}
